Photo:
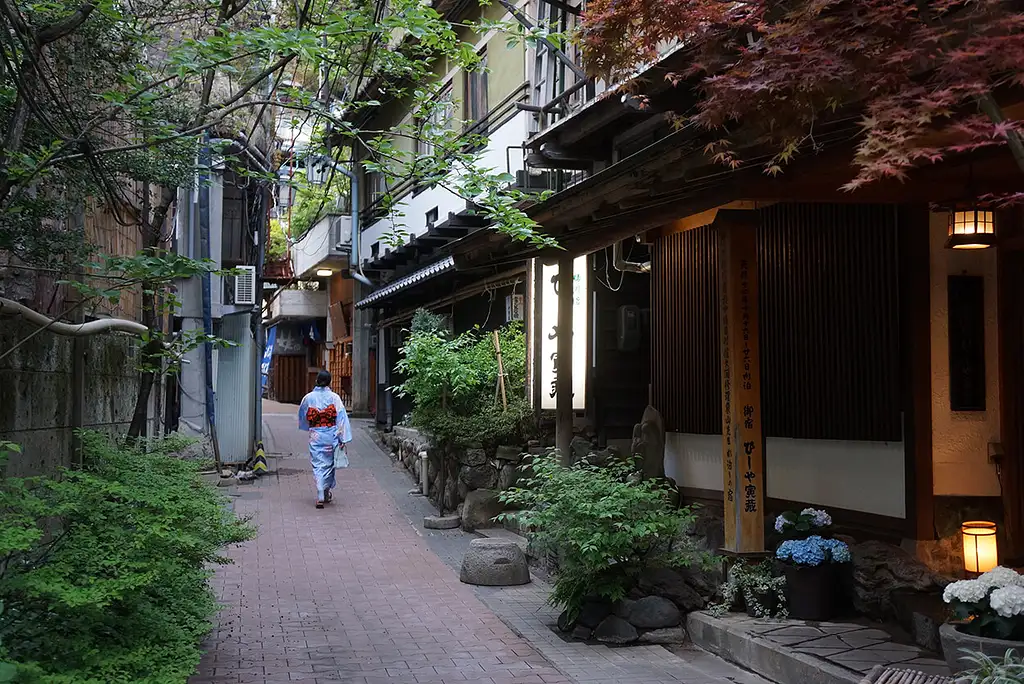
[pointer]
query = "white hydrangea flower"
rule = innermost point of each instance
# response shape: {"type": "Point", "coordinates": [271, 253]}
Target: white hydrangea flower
{"type": "Point", "coordinates": [965, 591]}
{"type": "Point", "coordinates": [1008, 601]}
{"type": "Point", "coordinates": [1001, 577]}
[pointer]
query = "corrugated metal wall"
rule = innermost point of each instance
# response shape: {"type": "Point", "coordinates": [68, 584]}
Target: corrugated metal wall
{"type": "Point", "coordinates": [829, 305]}
{"type": "Point", "coordinates": [236, 390]}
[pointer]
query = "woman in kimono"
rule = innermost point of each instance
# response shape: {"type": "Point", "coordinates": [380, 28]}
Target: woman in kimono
{"type": "Point", "coordinates": [323, 414]}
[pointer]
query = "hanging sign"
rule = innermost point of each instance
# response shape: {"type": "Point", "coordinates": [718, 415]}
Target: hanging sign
{"type": "Point", "coordinates": [268, 354]}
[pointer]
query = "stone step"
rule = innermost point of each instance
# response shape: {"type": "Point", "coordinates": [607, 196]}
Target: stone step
{"type": "Point", "coordinates": [794, 652]}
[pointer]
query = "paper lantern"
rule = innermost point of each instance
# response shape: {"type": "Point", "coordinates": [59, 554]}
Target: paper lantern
{"type": "Point", "coordinates": [981, 553]}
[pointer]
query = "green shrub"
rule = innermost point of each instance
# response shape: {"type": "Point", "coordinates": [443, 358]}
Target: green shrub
{"type": "Point", "coordinates": [103, 570]}
{"type": "Point", "coordinates": [453, 380]}
{"type": "Point", "coordinates": [491, 426]}
{"type": "Point", "coordinates": [602, 523]}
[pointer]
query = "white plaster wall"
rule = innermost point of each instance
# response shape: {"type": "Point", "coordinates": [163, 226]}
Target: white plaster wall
{"type": "Point", "coordinates": [411, 213]}
{"type": "Point", "coordinates": [857, 476]}
{"type": "Point", "coordinates": [960, 439]}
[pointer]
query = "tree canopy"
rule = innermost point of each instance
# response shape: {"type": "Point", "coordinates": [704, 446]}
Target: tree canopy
{"type": "Point", "coordinates": [97, 98]}
{"type": "Point", "coordinates": [923, 75]}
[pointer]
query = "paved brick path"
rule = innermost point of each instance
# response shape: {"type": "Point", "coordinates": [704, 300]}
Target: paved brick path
{"type": "Point", "coordinates": [350, 594]}
{"type": "Point", "coordinates": [357, 593]}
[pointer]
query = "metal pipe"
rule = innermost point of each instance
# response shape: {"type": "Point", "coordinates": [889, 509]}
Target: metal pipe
{"type": "Point", "coordinates": [204, 251]}
{"type": "Point", "coordinates": [623, 266]}
{"type": "Point", "coordinates": [105, 325]}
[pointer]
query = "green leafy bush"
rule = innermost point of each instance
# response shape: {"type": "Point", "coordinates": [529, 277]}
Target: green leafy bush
{"type": "Point", "coordinates": [453, 383]}
{"type": "Point", "coordinates": [603, 524]}
{"type": "Point", "coordinates": [103, 570]}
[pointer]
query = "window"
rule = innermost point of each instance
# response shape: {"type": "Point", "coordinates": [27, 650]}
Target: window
{"type": "Point", "coordinates": [438, 119]}
{"type": "Point", "coordinates": [377, 186]}
{"type": "Point", "coordinates": [476, 94]}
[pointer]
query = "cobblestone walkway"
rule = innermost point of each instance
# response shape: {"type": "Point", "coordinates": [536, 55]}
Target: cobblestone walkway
{"type": "Point", "coordinates": [356, 593]}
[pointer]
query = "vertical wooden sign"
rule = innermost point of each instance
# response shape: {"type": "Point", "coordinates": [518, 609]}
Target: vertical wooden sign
{"type": "Point", "coordinates": [742, 440]}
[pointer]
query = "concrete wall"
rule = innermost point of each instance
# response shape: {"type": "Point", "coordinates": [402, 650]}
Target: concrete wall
{"type": "Point", "coordinates": [857, 476]}
{"type": "Point", "coordinates": [960, 439]}
{"type": "Point", "coordinates": [299, 304]}
{"type": "Point", "coordinates": [36, 396]}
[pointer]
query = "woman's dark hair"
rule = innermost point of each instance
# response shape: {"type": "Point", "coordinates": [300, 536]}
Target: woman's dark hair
{"type": "Point", "coordinates": [323, 379]}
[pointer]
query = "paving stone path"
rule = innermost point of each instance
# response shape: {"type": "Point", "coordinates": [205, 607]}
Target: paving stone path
{"type": "Point", "coordinates": [356, 593]}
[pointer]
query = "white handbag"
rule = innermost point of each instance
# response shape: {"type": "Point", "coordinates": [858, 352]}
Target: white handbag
{"type": "Point", "coordinates": [340, 456]}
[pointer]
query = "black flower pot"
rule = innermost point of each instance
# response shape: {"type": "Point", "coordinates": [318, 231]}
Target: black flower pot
{"type": "Point", "coordinates": [811, 591]}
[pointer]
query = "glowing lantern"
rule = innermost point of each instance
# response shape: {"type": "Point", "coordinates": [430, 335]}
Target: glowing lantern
{"type": "Point", "coordinates": [980, 550]}
{"type": "Point", "coordinates": [971, 228]}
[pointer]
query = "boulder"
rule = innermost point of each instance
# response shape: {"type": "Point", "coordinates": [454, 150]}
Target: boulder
{"type": "Point", "coordinates": [677, 586]}
{"type": "Point", "coordinates": [580, 449]}
{"type": "Point", "coordinates": [473, 457]}
{"type": "Point", "coordinates": [881, 572]}
{"type": "Point", "coordinates": [507, 476]}
{"type": "Point", "coordinates": [654, 612]}
{"type": "Point", "coordinates": [479, 509]}
{"type": "Point", "coordinates": [604, 457]}
{"type": "Point", "coordinates": [623, 607]}
{"type": "Point", "coordinates": [479, 477]}
{"type": "Point", "coordinates": [564, 623]}
{"type": "Point", "coordinates": [581, 633]}
{"type": "Point", "coordinates": [615, 630]}
{"type": "Point", "coordinates": [665, 637]}
{"type": "Point", "coordinates": [593, 613]}
{"type": "Point", "coordinates": [494, 563]}
{"type": "Point", "coordinates": [512, 454]}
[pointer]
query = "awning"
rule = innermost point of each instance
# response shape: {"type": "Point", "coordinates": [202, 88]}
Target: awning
{"type": "Point", "coordinates": [435, 269]}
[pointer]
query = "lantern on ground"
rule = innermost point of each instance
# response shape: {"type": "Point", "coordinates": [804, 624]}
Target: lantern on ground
{"type": "Point", "coordinates": [971, 227]}
{"type": "Point", "coordinates": [981, 552]}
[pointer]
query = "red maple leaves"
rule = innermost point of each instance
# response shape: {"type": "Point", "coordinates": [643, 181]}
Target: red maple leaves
{"type": "Point", "coordinates": [914, 71]}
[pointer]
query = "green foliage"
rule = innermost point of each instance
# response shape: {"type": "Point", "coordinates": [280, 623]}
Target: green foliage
{"type": "Point", "coordinates": [424, 321]}
{"type": "Point", "coordinates": [277, 244]}
{"type": "Point", "coordinates": [490, 425]}
{"type": "Point", "coordinates": [985, 670]}
{"type": "Point", "coordinates": [103, 570]}
{"type": "Point", "coordinates": [604, 525]}
{"type": "Point", "coordinates": [453, 383]}
{"type": "Point", "coordinates": [762, 590]}
{"type": "Point", "coordinates": [313, 202]}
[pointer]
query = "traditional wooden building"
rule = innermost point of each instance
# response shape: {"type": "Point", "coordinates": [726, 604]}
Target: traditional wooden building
{"type": "Point", "coordinates": [852, 358]}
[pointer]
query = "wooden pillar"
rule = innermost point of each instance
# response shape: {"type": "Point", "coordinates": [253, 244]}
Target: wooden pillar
{"type": "Point", "coordinates": [742, 438]}
{"type": "Point", "coordinates": [563, 398]}
{"type": "Point", "coordinates": [913, 224]}
{"type": "Point", "coordinates": [1010, 279]}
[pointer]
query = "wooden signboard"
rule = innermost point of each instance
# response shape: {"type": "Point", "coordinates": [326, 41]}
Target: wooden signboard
{"type": "Point", "coordinates": [742, 440]}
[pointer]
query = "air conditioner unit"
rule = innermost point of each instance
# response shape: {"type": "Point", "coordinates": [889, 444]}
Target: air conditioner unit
{"type": "Point", "coordinates": [245, 286]}
{"type": "Point", "coordinates": [514, 308]}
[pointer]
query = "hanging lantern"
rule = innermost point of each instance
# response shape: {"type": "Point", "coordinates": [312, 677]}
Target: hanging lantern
{"type": "Point", "coordinates": [971, 227]}
{"type": "Point", "coordinates": [981, 553]}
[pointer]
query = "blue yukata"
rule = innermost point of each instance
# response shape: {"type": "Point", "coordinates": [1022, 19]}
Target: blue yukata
{"type": "Point", "coordinates": [323, 414]}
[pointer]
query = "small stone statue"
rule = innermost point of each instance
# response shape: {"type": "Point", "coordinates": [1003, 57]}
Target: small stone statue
{"type": "Point", "coordinates": [649, 443]}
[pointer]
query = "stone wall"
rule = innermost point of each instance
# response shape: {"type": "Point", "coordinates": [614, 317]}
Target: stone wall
{"type": "Point", "coordinates": [468, 469]}
{"type": "Point", "coordinates": [36, 393]}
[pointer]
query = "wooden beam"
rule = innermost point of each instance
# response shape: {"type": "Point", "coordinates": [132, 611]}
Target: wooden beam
{"type": "Point", "coordinates": [742, 437]}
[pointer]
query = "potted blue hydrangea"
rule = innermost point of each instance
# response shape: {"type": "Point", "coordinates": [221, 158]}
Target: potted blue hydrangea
{"type": "Point", "coordinates": [803, 524]}
{"type": "Point", "coordinates": [812, 577]}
